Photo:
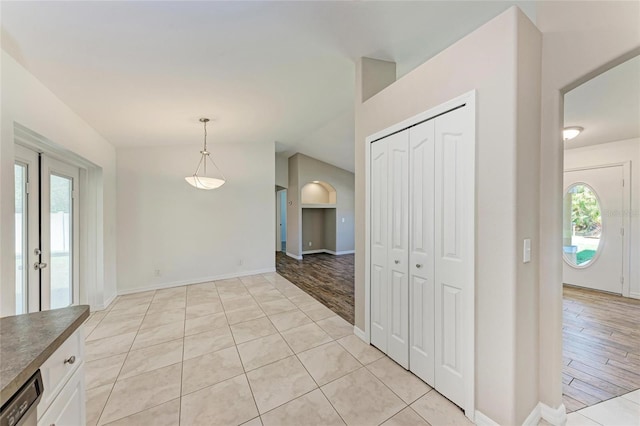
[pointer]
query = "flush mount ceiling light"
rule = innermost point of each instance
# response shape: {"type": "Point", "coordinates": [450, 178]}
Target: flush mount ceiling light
{"type": "Point", "coordinates": [202, 181]}
{"type": "Point", "coordinates": [571, 132]}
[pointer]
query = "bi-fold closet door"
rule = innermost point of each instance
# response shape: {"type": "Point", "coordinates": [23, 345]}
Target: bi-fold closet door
{"type": "Point", "coordinates": [420, 244]}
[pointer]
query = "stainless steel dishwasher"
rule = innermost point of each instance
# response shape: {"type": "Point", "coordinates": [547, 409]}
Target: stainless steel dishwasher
{"type": "Point", "coordinates": [20, 410]}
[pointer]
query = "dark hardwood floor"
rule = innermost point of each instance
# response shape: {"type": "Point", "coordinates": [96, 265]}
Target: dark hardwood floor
{"type": "Point", "coordinates": [601, 347]}
{"type": "Point", "coordinates": [328, 278]}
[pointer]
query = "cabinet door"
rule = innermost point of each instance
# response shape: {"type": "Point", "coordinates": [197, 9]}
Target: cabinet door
{"type": "Point", "coordinates": [398, 244]}
{"type": "Point", "coordinates": [68, 409]}
{"type": "Point", "coordinates": [421, 256]}
{"type": "Point", "coordinates": [454, 239]}
{"type": "Point", "coordinates": [379, 230]}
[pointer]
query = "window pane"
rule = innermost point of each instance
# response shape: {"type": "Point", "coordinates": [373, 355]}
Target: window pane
{"type": "Point", "coordinates": [21, 238]}
{"type": "Point", "coordinates": [582, 225]}
{"type": "Point", "coordinates": [61, 238]}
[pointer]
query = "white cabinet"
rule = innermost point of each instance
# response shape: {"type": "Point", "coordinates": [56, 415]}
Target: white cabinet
{"type": "Point", "coordinates": [421, 233]}
{"type": "Point", "coordinates": [63, 399]}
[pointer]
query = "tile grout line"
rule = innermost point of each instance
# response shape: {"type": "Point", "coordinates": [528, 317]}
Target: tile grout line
{"type": "Point", "coordinates": [184, 332]}
{"type": "Point", "coordinates": [125, 360]}
{"type": "Point", "coordinates": [238, 353]}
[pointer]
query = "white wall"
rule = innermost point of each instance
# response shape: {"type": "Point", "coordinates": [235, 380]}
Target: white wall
{"type": "Point", "coordinates": [192, 235]}
{"type": "Point", "coordinates": [581, 39]}
{"type": "Point", "coordinates": [501, 61]}
{"type": "Point", "coordinates": [25, 100]}
{"type": "Point", "coordinates": [617, 152]}
{"type": "Point", "coordinates": [282, 170]}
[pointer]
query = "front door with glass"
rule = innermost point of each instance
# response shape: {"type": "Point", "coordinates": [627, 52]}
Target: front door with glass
{"type": "Point", "coordinates": [593, 228]}
{"type": "Point", "coordinates": [47, 232]}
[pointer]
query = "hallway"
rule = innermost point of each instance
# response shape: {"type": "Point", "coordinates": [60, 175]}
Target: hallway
{"type": "Point", "coordinates": [328, 278]}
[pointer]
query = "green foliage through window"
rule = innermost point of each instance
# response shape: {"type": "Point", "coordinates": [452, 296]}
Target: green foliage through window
{"type": "Point", "coordinates": [585, 211]}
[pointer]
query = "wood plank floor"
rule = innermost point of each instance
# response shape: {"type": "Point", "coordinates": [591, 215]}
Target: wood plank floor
{"type": "Point", "coordinates": [601, 347]}
{"type": "Point", "coordinates": [328, 278]}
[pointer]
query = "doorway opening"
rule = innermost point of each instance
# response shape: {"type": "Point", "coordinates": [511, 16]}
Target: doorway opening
{"type": "Point", "coordinates": [601, 237]}
{"type": "Point", "coordinates": [282, 220]}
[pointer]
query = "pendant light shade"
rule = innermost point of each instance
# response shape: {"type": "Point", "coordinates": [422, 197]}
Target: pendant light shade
{"type": "Point", "coordinates": [199, 179]}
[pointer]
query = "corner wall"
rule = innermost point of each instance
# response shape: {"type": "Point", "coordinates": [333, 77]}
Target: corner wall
{"type": "Point", "coordinates": [170, 233]}
{"type": "Point", "coordinates": [498, 60]}
{"type": "Point", "coordinates": [25, 100]}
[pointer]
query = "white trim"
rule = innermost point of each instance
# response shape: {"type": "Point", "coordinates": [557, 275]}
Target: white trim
{"type": "Point", "coordinates": [534, 417]}
{"type": "Point", "coordinates": [359, 333]}
{"type": "Point", "coordinates": [335, 253]}
{"type": "Point", "coordinates": [339, 253]}
{"type": "Point", "coordinates": [106, 303]}
{"type": "Point", "coordinates": [469, 99]}
{"type": "Point", "coordinates": [555, 416]}
{"type": "Point", "coordinates": [484, 420]}
{"type": "Point", "coordinates": [295, 256]}
{"type": "Point", "coordinates": [626, 219]}
{"type": "Point", "coordinates": [196, 281]}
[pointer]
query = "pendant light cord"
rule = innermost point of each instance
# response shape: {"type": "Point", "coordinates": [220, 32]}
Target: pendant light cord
{"type": "Point", "coordinates": [205, 148]}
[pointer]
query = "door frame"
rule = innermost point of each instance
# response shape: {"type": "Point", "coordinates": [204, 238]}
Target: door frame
{"type": "Point", "coordinates": [30, 158]}
{"type": "Point", "coordinates": [468, 332]}
{"type": "Point", "coordinates": [626, 217]}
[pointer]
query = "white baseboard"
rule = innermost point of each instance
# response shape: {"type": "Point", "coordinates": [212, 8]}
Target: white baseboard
{"type": "Point", "coordinates": [634, 295]}
{"type": "Point", "coordinates": [315, 251]}
{"type": "Point", "coordinates": [339, 253]}
{"type": "Point", "coordinates": [534, 417]}
{"type": "Point", "coordinates": [106, 303]}
{"type": "Point", "coordinates": [481, 419]}
{"type": "Point", "coordinates": [555, 416]}
{"type": "Point", "coordinates": [295, 256]}
{"type": "Point", "coordinates": [360, 334]}
{"type": "Point", "coordinates": [196, 281]}
{"type": "Point", "coordinates": [335, 253]}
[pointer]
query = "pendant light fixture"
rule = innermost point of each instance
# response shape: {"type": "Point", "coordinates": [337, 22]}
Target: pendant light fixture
{"type": "Point", "coordinates": [202, 181]}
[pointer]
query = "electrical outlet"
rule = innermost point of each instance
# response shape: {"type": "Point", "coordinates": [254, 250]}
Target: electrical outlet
{"type": "Point", "coordinates": [310, 244]}
{"type": "Point", "coordinates": [343, 220]}
{"type": "Point", "coordinates": [157, 272]}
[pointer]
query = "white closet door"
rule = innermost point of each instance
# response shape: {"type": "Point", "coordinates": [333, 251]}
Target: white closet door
{"type": "Point", "coordinates": [454, 186]}
{"type": "Point", "coordinates": [398, 243]}
{"type": "Point", "coordinates": [421, 262]}
{"type": "Point", "coordinates": [379, 230]}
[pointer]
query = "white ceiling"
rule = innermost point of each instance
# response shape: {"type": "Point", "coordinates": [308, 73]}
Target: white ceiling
{"type": "Point", "coordinates": [607, 106]}
{"type": "Point", "coordinates": [142, 73]}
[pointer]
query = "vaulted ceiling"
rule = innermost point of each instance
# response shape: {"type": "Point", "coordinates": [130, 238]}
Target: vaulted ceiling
{"type": "Point", "coordinates": [142, 73]}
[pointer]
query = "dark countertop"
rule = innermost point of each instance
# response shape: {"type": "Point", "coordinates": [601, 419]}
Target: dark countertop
{"type": "Point", "coordinates": [27, 341]}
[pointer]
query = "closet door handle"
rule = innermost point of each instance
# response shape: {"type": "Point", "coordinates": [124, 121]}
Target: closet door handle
{"type": "Point", "coordinates": [418, 265]}
{"type": "Point", "coordinates": [396, 262]}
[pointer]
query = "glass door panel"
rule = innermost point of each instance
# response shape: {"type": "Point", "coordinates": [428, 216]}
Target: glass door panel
{"type": "Point", "coordinates": [61, 237]}
{"type": "Point", "coordinates": [21, 243]}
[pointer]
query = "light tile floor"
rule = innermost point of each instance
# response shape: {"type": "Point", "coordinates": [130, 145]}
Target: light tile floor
{"type": "Point", "coordinates": [254, 350]}
{"type": "Point", "coordinates": [620, 411]}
